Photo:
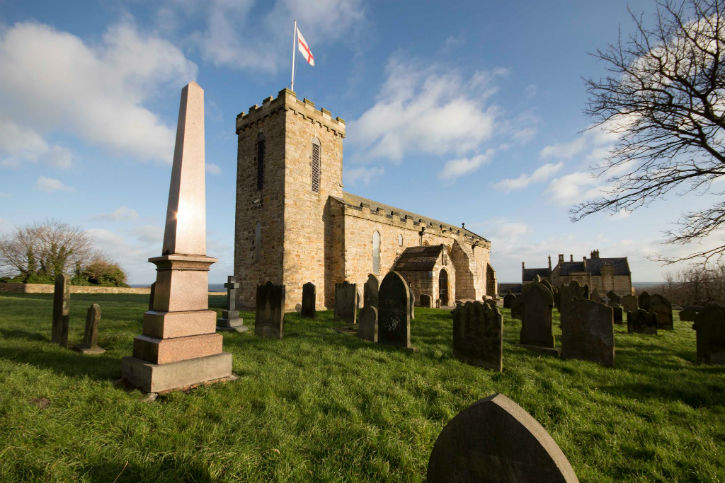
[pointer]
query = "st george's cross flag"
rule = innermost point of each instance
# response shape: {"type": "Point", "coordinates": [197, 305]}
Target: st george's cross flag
{"type": "Point", "coordinates": [304, 48]}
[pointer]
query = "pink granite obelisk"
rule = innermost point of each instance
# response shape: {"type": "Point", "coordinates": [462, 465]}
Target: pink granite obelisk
{"type": "Point", "coordinates": [179, 346]}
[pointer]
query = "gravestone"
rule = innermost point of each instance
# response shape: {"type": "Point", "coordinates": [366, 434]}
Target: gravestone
{"type": "Point", "coordinates": [346, 302]}
{"type": "Point", "coordinates": [643, 301]}
{"type": "Point", "coordinates": [517, 307]}
{"type": "Point", "coordinates": [536, 321]}
{"type": "Point", "coordinates": [507, 299]}
{"type": "Point", "coordinates": [595, 296]}
{"type": "Point", "coordinates": [425, 300]}
{"type": "Point", "coordinates": [309, 299]}
{"type": "Point", "coordinates": [710, 329]}
{"type": "Point", "coordinates": [662, 308]}
{"type": "Point", "coordinates": [496, 440]}
{"type": "Point", "coordinates": [368, 323]}
{"type": "Point", "coordinates": [61, 310]}
{"type": "Point", "coordinates": [618, 314]}
{"type": "Point", "coordinates": [557, 298]}
{"type": "Point", "coordinates": [152, 292]}
{"type": "Point", "coordinates": [230, 316]}
{"type": "Point", "coordinates": [688, 313]}
{"type": "Point", "coordinates": [90, 336]}
{"type": "Point", "coordinates": [269, 320]}
{"type": "Point", "coordinates": [641, 322]}
{"type": "Point", "coordinates": [394, 311]}
{"type": "Point", "coordinates": [629, 303]}
{"type": "Point", "coordinates": [478, 334]}
{"type": "Point", "coordinates": [548, 285]}
{"type": "Point", "coordinates": [370, 291]}
{"type": "Point", "coordinates": [587, 332]}
{"type": "Point", "coordinates": [568, 293]}
{"type": "Point", "coordinates": [614, 299]}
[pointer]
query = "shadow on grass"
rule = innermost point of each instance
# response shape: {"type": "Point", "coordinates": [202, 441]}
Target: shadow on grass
{"type": "Point", "coordinates": [693, 395]}
{"type": "Point", "coordinates": [68, 362]}
{"type": "Point", "coordinates": [21, 334]}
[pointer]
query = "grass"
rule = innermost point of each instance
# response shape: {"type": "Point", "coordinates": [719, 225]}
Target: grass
{"type": "Point", "coordinates": [323, 406]}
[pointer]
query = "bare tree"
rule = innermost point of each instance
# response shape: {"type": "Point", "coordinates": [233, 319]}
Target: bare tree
{"type": "Point", "coordinates": [665, 100]}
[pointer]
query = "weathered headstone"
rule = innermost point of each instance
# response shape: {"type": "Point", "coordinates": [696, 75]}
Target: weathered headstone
{"type": "Point", "coordinates": [536, 321]}
{"type": "Point", "coordinates": [643, 301]}
{"type": "Point", "coordinates": [496, 440]}
{"type": "Point", "coordinates": [614, 299]}
{"type": "Point", "coordinates": [587, 332]}
{"type": "Point", "coordinates": [662, 308]}
{"type": "Point", "coordinates": [568, 293]}
{"type": "Point", "coordinates": [346, 302]}
{"type": "Point", "coordinates": [425, 300]}
{"type": "Point", "coordinates": [368, 323]}
{"type": "Point", "coordinates": [309, 300]}
{"type": "Point", "coordinates": [548, 285]}
{"type": "Point", "coordinates": [151, 295]}
{"type": "Point", "coordinates": [370, 291]}
{"type": "Point", "coordinates": [517, 307]}
{"type": "Point", "coordinates": [629, 303]}
{"type": "Point", "coordinates": [688, 313]}
{"type": "Point", "coordinates": [642, 322]}
{"type": "Point", "coordinates": [618, 314]}
{"type": "Point", "coordinates": [710, 328]}
{"type": "Point", "coordinates": [478, 334]}
{"type": "Point", "coordinates": [61, 310]}
{"type": "Point", "coordinates": [230, 319]}
{"type": "Point", "coordinates": [394, 311]}
{"type": "Point", "coordinates": [507, 300]}
{"type": "Point", "coordinates": [595, 296]}
{"type": "Point", "coordinates": [90, 337]}
{"type": "Point", "coordinates": [269, 320]}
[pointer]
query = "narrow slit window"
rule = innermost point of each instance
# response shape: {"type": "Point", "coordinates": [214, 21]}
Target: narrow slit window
{"type": "Point", "coordinates": [376, 252]}
{"type": "Point", "coordinates": [316, 166]}
{"type": "Point", "coordinates": [260, 161]}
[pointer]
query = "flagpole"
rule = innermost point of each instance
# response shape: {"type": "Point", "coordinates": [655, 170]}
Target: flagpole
{"type": "Point", "coordinates": [294, 37]}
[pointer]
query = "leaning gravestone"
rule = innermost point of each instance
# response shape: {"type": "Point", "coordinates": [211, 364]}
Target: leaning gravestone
{"type": "Point", "coordinates": [370, 291]}
{"type": "Point", "coordinates": [346, 302]}
{"type": "Point", "coordinates": [368, 323]}
{"type": "Point", "coordinates": [496, 440]}
{"type": "Point", "coordinates": [61, 310]}
{"type": "Point", "coordinates": [536, 321]}
{"type": "Point", "coordinates": [269, 320]}
{"type": "Point", "coordinates": [230, 316]}
{"type": "Point", "coordinates": [629, 303]}
{"type": "Point", "coordinates": [662, 308]}
{"type": "Point", "coordinates": [507, 300]}
{"type": "Point", "coordinates": [478, 334]}
{"type": "Point", "coordinates": [309, 296]}
{"type": "Point", "coordinates": [90, 337]}
{"type": "Point", "coordinates": [425, 300]}
{"type": "Point", "coordinates": [642, 322]}
{"type": "Point", "coordinates": [394, 311]}
{"type": "Point", "coordinates": [587, 332]}
{"type": "Point", "coordinates": [517, 307]}
{"type": "Point", "coordinates": [710, 327]}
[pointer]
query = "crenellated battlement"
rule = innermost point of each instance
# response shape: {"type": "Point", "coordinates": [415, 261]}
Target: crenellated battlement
{"type": "Point", "coordinates": [287, 101]}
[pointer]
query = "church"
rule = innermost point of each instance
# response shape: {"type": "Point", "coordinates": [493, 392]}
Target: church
{"type": "Point", "coordinates": [295, 224]}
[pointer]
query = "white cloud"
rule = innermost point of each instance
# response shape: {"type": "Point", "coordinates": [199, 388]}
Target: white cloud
{"type": "Point", "coordinates": [574, 188]}
{"type": "Point", "coordinates": [53, 81]}
{"type": "Point", "coordinates": [620, 215]}
{"type": "Point", "coordinates": [212, 168]}
{"type": "Point", "coordinates": [564, 150]}
{"type": "Point", "coordinates": [152, 235]}
{"type": "Point", "coordinates": [51, 184]}
{"type": "Point", "coordinates": [458, 167]}
{"type": "Point", "coordinates": [540, 174]}
{"type": "Point", "coordinates": [19, 144]}
{"type": "Point", "coordinates": [122, 213]}
{"type": "Point", "coordinates": [530, 90]}
{"type": "Point", "coordinates": [362, 174]}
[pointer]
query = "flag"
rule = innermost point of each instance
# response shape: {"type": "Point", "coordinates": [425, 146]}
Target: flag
{"type": "Point", "coordinates": [304, 48]}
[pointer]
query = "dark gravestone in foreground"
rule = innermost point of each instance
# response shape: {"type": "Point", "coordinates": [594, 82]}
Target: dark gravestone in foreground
{"type": "Point", "coordinates": [641, 322]}
{"type": "Point", "coordinates": [309, 299]}
{"type": "Point", "coordinates": [643, 301]}
{"type": "Point", "coordinates": [618, 314]}
{"type": "Point", "coordinates": [346, 302]}
{"type": "Point", "coordinates": [536, 321]}
{"type": "Point", "coordinates": [496, 440]}
{"type": "Point", "coordinates": [90, 337]}
{"type": "Point", "coordinates": [478, 334]}
{"type": "Point", "coordinates": [368, 324]}
{"type": "Point", "coordinates": [587, 332]}
{"type": "Point", "coordinates": [629, 303]}
{"type": "Point", "coordinates": [688, 313]}
{"type": "Point", "coordinates": [614, 299]}
{"type": "Point", "coordinates": [570, 292]}
{"type": "Point", "coordinates": [710, 327]}
{"type": "Point", "coordinates": [426, 300]}
{"type": "Point", "coordinates": [269, 320]}
{"type": "Point", "coordinates": [507, 300]}
{"type": "Point", "coordinates": [662, 308]}
{"type": "Point", "coordinates": [394, 311]}
{"type": "Point", "coordinates": [230, 316]}
{"type": "Point", "coordinates": [370, 291]}
{"type": "Point", "coordinates": [61, 309]}
{"type": "Point", "coordinates": [517, 307]}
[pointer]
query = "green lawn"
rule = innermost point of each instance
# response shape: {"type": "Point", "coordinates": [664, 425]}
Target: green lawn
{"type": "Point", "coordinates": [323, 406]}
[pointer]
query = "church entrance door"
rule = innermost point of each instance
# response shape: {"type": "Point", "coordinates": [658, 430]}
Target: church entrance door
{"type": "Point", "coordinates": [443, 287]}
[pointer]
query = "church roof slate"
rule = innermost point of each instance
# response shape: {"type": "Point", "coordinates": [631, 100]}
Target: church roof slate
{"type": "Point", "coordinates": [621, 266]}
{"type": "Point", "coordinates": [530, 273]}
{"type": "Point", "coordinates": [420, 258]}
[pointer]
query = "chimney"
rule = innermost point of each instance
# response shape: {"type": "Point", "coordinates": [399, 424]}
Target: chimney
{"type": "Point", "coordinates": [571, 257]}
{"type": "Point", "coordinates": [463, 225]}
{"type": "Point", "coordinates": [561, 258]}
{"type": "Point", "coordinates": [522, 265]}
{"type": "Point", "coordinates": [549, 262]}
{"type": "Point", "coordinates": [594, 254]}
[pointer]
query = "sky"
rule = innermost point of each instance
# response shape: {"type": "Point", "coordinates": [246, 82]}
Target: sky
{"type": "Point", "coordinates": [466, 112]}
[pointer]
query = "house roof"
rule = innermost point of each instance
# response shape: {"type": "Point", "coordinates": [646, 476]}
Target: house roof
{"type": "Point", "coordinates": [566, 268]}
{"type": "Point", "coordinates": [530, 273]}
{"type": "Point", "coordinates": [421, 258]}
{"type": "Point", "coordinates": [621, 266]}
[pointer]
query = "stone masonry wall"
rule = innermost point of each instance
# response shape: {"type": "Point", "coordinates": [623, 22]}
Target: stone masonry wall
{"type": "Point", "coordinates": [49, 288]}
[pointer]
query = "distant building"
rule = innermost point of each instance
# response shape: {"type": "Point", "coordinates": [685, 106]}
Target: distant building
{"type": "Point", "coordinates": [602, 274]}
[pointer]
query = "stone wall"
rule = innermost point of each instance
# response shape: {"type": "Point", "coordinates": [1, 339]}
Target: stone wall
{"type": "Point", "coordinates": [48, 288]}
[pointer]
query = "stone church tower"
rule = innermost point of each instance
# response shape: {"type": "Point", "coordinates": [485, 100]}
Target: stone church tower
{"type": "Point", "coordinates": [289, 167]}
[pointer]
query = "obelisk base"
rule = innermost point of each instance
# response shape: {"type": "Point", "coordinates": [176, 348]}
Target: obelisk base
{"type": "Point", "coordinates": [151, 377]}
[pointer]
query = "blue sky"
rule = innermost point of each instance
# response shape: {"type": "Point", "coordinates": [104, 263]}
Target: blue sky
{"type": "Point", "coordinates": [461, 111]}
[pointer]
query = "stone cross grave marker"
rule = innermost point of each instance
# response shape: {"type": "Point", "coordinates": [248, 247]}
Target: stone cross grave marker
{"type": "Point", "coordinates": [641, 322]}
{"type": "Point", "coordinates": [394, 311]}
{"type": "Point", "coordinates": [269, 320]}
{"type": "Point", "coordinates": [61, 310]}
{"type": "Point", "coordinates": [230, 319]}
{"type": "Point", "coordinates": [346, 302]}
{"type": "Point", "coordinates": [90, 337]}
{"type": "Point", "coordinates": [710, 329]}
{"type": "Point", "coordinates": [536, 321]}
{"type": "Point", "coordinates": [309, 299]}
{"type": "Point", "coordinates": [478, 334]}
{"type": "Point", "coordinates": [587, 332]}
{"type": "Point", "coordinates": [496, 440]}
{"type": "Point", "coordinates": [368, 323]}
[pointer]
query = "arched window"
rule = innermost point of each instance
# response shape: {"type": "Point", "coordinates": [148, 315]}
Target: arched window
{"type": "Point", "coordinates": [260, 161]}
{"type": "Point", "coordinates": [258, 242]}
{"type": "Point", "coordinates": [315, 162]}
{"type": "Point", "coordinates": [376, 252]}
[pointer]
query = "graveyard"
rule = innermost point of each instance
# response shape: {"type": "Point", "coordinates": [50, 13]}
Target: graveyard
{"type": "Point", "coordinates": [319, 405]}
